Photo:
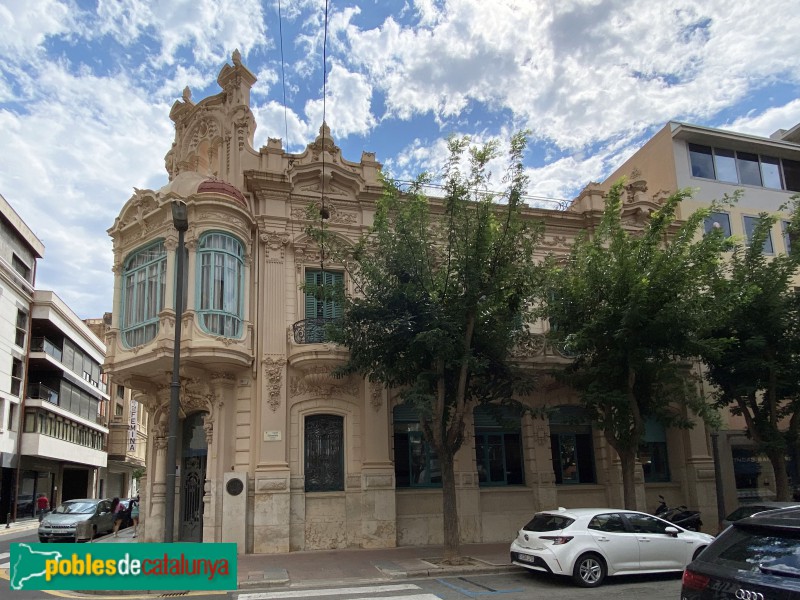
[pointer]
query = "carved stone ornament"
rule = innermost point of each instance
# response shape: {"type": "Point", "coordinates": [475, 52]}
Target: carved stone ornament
{"type": "Point", "coordinates": [275, 244]}
{"type": "Point", "coordinates": [531, 345]}
{"type": "Point", "coordinates": [556, 241]}
{"type": "Point", "coordinates": [376, 395]}
{"type": "Point", "coordinates": [319, 381]}
{"type": "Point", "coordinates": [273, 371]}
{"type": "Point", "coordinates": [336, 214]}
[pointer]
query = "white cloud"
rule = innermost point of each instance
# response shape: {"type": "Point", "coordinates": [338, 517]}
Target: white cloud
{"type": "Point", "coordinates": [348, 105]}
{"type": "Point", "coordinates": [769, 121]}
{"type": "Point", "coordinates": [209, 29]}
{"type": "Point", "coordinates": [25, 24]}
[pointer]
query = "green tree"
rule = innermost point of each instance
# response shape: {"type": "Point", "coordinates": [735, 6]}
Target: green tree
{"type": "Point", "coordinates": [444, 286]}
{"type": "Point", "coordinates": [630, 306]}
{"type": "Point", "coordinates": [754, 362]}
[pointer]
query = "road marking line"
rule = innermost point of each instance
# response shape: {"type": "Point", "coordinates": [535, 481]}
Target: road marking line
{"type": "Point", "coordinates": [5, 565]}
{"type": "Point", "coordinates": [4, 555]}
{"type": "Point", "coordinates": [377, 589]}
{"type": "Point", "coordinates": [412, 597]}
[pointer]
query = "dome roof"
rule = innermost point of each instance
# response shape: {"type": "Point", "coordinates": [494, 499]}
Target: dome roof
{"type": "Point", "coordinates": [215, 186]}
{"type": "Point", "coordinates": [186, 183]}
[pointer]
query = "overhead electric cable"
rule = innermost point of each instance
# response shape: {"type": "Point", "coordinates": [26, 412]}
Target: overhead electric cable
{"type": "Point", "coordinates": [283, 76]}
{"type": "Point", "coordinates": [323, 211]}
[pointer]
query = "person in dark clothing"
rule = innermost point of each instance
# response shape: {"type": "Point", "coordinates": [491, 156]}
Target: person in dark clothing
{"type": "Point", "coordinates": [42, 505]}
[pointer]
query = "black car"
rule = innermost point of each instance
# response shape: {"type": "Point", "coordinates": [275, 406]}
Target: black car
{"type": "Point", "coordinates": [756, 558]}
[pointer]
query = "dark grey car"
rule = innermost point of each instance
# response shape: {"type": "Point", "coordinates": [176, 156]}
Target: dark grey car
{"type": "Point", "coordinates": [756, 558]}
{"type": "Point", "coordinates": [77, 520]}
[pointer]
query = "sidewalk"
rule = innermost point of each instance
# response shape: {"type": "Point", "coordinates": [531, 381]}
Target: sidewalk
{"type": "Point", "coordinates": [21, 525]}
{"type": "Point", "coordinates": [325, 567]}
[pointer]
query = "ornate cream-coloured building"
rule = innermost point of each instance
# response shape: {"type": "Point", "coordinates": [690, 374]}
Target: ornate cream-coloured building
{"type": "Point", "coordinates": [274, 453]}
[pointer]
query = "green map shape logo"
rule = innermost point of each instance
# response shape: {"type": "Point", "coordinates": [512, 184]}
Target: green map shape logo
{"type": "Point", "coordinates": [29, 565]}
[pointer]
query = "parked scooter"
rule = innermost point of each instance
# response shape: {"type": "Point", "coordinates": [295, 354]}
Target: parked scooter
{"type": "Point", "coordinates": [680, 515]}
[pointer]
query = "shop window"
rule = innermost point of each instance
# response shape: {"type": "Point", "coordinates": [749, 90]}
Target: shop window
{"type": "Point", "coordinates": [415, 462]}
{"type": "Point", "coordinates": [324, 453]}
{"type": "Point", "coordinates": [220, 258]}
{"type": "Point", "coordinates": [750, 227]}
{"type": "Point", "coordinates": [571, 446]}
{"type": "Point", "coordinates": [143, 287]}
{"type": "Point", "coordinates": [498, 446]}
{"type": "Point", "coordinates": [653, 452]}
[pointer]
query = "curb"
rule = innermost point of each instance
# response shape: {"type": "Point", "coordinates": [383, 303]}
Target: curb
{"type": "Point", "coordinates": [280, 577]}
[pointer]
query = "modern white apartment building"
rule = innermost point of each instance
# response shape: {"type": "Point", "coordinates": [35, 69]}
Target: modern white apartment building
{"type": "Point", "coordinates": [19, 250]}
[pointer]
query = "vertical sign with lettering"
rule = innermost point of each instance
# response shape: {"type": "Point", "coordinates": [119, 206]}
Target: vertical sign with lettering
{"type": "Point", "coordinates": [132, 426]}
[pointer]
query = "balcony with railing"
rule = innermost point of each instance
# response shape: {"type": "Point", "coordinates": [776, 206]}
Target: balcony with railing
{"type": "Point", "coordinates": [312, 347]}
{"type": "Point", "coordinates": [39, 391]}
{"type": "Point", "coordinates": [42, 344]}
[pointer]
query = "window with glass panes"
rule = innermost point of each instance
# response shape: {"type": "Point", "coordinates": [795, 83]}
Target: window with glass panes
{"type": "Point", "coordinates": [415, 462]}
{"type": "Point", "coordinates": [746, 168]}
{"type": "Point", "coordinates": [653, 452]}
{"type": "Point", "coordinates": [571, 445]}
{"type": "Point", "coordinates": [220, 259]}
{"type": "Point", "coordinates": [498, 446]}
{"type": "Point", "coordinates": [144, 280]}
{"type": "Point", "coordinates": [22, 328]}
{"type": "Point", "coordinates": [16, 376]}
{"type": "Point", "coordinates": [750, 227]}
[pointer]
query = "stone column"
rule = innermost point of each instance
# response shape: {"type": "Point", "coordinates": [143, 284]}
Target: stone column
{"type": "Point", "coordinates": [270, 436]}
{"type": "Point", "coordinates": [378, 511]}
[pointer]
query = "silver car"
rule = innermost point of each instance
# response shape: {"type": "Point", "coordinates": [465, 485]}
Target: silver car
{"type": "Point", "coordinates": [77, 520]}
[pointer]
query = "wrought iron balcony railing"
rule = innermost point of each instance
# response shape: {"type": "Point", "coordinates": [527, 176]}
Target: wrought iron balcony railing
{"type": "Point", "coordinates": [311, 331]}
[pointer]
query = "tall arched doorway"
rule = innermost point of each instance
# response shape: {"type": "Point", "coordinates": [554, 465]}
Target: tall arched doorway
{"type": "Point", "coordinates": [194, 454]}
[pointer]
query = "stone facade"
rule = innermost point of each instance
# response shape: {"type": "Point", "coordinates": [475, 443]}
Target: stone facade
{"type": "Point", "coordinates": [252, 387]}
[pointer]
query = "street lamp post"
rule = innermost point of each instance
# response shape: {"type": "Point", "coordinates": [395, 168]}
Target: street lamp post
{"type": "Point", "coordinates": [181, 221]}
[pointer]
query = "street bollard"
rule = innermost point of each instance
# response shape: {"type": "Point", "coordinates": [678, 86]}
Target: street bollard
{"type": "Point", "coordinates": [8, 520]}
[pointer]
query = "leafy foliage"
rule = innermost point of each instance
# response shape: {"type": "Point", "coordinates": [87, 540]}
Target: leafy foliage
{"type": "Point", "coordinates": [443, 290]}
{"type": "Point", "coordinates": [632, 306]}
{"type": "Point", "coordinates": [754, 361]}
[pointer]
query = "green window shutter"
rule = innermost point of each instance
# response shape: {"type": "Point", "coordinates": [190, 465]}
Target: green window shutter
{"type": "Point", "coordinates": [311, 301]}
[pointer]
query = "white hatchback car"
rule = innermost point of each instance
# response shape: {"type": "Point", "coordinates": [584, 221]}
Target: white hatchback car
{"type": "Point", "coordinates": [590, 543]}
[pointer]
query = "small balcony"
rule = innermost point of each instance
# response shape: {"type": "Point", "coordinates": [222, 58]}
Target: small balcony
{"type": "Point", "coordinates": [311, 347]}
{"type": "Point", "coordinates": [39, 391]}
{"type": "Point", "coordinates": [42, 344]}
{"type": "Point", "coordinates": [311, 331]}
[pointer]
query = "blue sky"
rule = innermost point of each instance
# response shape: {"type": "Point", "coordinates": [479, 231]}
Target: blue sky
{"type": "Point", "coordinates": [86, 88]}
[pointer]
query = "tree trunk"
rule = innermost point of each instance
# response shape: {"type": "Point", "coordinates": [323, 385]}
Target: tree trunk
{"type": "Point", "coordinates": [628, 459]}
{"type": "Point", "coordinates": [778, 460]}
{"type": "Point", "coordinates": [452, 548]}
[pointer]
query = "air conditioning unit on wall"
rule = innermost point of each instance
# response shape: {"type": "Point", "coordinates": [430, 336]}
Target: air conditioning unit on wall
{"type": "Point", "coordinates": [234, 509]}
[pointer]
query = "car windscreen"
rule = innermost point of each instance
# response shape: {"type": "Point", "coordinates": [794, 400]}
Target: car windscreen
{"type": "Point", "coordinates": [758, 550]}
{"type": "Point", "coordinates": [745, 511]}
{"type": "Point", "coordinates": [76, 508]}
{"type": "Point", "coordinates": [548, 522]}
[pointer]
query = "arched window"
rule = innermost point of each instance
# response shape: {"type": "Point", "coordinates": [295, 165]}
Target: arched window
{"type": "Point", "coordinates": [571, 445]}
{"type": "Point", "coordinates": [221, 264]}
{"type": "Point", "coordinates": [143, 285]}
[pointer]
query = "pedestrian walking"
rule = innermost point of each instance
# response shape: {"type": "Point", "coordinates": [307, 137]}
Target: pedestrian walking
{"type": "Point", "coordinates": [135, 515]}
{"type": "Point", "coordinates": [42, 506]}
{"type": "Point", "coordinates": [118, 510]}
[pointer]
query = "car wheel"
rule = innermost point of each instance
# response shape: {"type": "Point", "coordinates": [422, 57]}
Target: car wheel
{"type": "Point", "coordinates": [589, 571]}
{"type": "Point", "coordinates": [42, 540]}
{"type": "Point", "coordinates": [698, 552]}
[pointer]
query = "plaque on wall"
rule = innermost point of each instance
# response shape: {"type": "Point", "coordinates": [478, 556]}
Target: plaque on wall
{"type": "Point", "coordinates": [234, 486]}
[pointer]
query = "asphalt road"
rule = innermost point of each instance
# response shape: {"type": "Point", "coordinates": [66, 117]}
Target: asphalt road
{"type": "Point", "coordinates": [512, 586]}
